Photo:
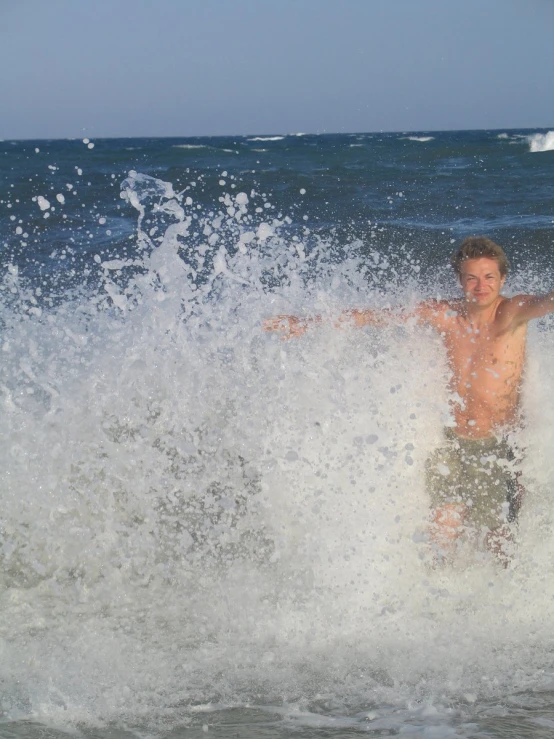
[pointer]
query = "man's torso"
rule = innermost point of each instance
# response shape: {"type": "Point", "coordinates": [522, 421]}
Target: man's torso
{"type": "Point", "coordinates": [486, 364]}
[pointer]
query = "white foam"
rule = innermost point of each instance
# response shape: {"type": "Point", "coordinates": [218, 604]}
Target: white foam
{"type": "Point", "coordinates": [195, 512]}
{"type": "Point", "coordinates": [422, 139]}
{"type": "Point", "coordinates": [190, 146]}
{"type": "Point", "coordinates": [267, 138]}
{"type": "Point", "coordinates": [42, 202]}
{"type": "Point", "coordinates": [541, 141]}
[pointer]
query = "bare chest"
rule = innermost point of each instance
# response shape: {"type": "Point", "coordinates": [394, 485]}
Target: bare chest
{"type": "Point", "coordinates": [488, 354]}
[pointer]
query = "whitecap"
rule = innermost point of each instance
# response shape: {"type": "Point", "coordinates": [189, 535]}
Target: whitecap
{"type": "Point", "coordinates": [541, 141]}
{"type": "Point", "coordinates": [266, 138]}
{"type": "Point", "coordinates": [418, 138]}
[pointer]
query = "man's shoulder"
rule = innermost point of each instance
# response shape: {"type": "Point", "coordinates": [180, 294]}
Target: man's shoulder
{"type": "Point", "coordinates": [438, 304]}
{"type": "Point", "coordinates": [439, 311]}
{"type": "Point", "coordinates": [510, 310]}
{"type": "Point", "coordinates": [513, 304]}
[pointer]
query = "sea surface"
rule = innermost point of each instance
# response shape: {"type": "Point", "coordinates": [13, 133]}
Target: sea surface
{"type": "Point", "coordinates": [206, 531]}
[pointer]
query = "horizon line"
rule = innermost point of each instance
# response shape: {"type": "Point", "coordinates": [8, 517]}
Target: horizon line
{"type": "Point", "coordinates": [284, 135]}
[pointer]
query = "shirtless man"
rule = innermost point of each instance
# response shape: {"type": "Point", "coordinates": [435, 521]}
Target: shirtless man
{"type": "Point", "coordinates": [470, 479]}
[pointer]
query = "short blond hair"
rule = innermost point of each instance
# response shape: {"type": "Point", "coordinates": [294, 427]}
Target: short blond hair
{"type": "Point", "coordinates": [475, 247]}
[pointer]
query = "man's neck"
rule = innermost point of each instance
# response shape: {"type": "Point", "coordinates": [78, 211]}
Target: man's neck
{"type": "Point", "coordinates": [481, 316]}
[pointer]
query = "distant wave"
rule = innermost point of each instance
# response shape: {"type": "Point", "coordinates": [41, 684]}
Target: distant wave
{"type": "Point", "coordinates": [479, 225]}
{"type": "Point", "coordinates": [519, 138]}
{"type": "Point", "coordinates": [516, 138]}
{"type": "Point", "coordinates": [418, 138]}
{"type": "Point", "coordinates": [190, 146]}
{"type": "Point", "coordinates": [541, 141]}
{"type": "Point", "coordinates": [267, 138]}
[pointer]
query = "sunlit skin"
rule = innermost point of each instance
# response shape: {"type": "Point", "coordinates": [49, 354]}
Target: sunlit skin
{"type": "Point", "coordinates": [484, 334]}
{"type": "Point", "coordinates": [485, 346]}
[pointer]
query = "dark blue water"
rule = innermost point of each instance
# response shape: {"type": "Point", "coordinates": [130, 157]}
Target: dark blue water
{"type": "Point", "coordinates": [381, 188]}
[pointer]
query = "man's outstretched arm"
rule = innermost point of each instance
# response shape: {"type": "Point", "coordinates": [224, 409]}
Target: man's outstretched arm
{"type": "Point", "coordinates": [529, 307]}
{"type": "Point", "coordinates": [425, 313]}
{"type": "Point", "coordinates": [290, 326]}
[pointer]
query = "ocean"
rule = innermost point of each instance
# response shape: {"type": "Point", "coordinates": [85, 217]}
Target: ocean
{"type": "Point", "coordinates": [206, 531]}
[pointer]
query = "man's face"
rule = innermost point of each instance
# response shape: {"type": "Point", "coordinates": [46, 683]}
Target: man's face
{"type": "Point", "coordinates": [481, 281]}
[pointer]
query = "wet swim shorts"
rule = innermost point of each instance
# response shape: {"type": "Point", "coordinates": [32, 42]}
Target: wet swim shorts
{"type": "Point", "coordinates": [478, 473]}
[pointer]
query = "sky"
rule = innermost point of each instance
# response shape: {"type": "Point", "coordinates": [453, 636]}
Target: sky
{"type": "Point", "coordinates": [116, 68]}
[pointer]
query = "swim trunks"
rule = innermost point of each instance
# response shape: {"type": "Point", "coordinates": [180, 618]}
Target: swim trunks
{"type": "Point", "coordinates": [478, 473]}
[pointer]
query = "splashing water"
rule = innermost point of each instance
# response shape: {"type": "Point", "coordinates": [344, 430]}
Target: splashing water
{"type": "Point", "coordinates": [541, 141]}
{"type": "Point", "coordinates": [197, 516]}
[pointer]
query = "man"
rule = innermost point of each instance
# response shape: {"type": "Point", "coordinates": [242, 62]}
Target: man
{"type": "Point", "coordinates": [470, 479]}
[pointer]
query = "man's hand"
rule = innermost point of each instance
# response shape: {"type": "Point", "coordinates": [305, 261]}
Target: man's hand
{"type": "Point", "coordinates": [288, 326]}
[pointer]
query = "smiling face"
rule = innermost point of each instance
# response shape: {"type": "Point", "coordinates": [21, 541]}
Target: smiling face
{"type": "Point", "coordinates": [481, 281]}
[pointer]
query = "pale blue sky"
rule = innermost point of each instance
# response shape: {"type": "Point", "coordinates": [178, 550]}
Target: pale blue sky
{"type": "Point", "coordinates": [73, 68]}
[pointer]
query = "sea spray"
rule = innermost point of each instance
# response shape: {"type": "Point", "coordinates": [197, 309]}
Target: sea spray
{"type": "Point", "coordinates": [195, 512]}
